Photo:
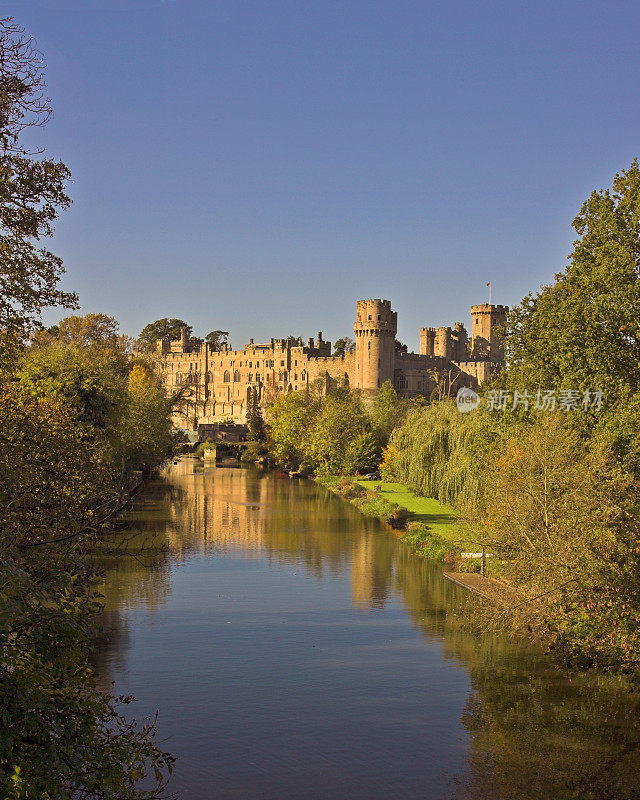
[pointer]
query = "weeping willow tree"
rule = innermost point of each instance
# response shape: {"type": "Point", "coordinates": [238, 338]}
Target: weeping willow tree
{"type": "Point", "coordinates": [439, 452]}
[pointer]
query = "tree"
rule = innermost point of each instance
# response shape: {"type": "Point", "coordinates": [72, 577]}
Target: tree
{"type": "Point", "coordinates": [583, 331]}
{"type": "Point", "coordinates": [338, 421]}
{"type": "Point", "coordinates": [343, 346]}
{"type": "Point", "coordinates": [362, 453]}
{"type": "Point", "coordinates": [288, 419]}
{"type": "Point", "coordinates": [562, 518]}
{"type": "Point", "coordinates": [91, 382]}
{"type": "Point", "coordinates": [161, 329]}
{"type": "Point", "coordinates": [61, 737]}
{"type": "Point", "coordinates": [254, 418]}
{"type": "Point", "coordinates": [216, 338]}
{"type": "Point", "coordinates": [32, 191]}
{"type": "Point", "coordinates": [387, 411]}
{"type": "Point", "coordinates": [86, 331]}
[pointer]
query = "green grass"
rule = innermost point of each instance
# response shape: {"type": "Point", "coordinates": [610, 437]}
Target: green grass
{"type": "Point", "coordinates": [431, 529]}
{"type": "Point", "coordinates": [440, 519]}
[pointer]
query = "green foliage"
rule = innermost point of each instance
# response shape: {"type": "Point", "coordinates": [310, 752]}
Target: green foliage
{"type": "Point", "coordinates": [161, 329]}
{"type": "Point", "coordinates": [33, 191]}
{"type": "Point", "coordinates": [254, 451]}
{"type": "Point", "coordinates": [343, 346]}
{"type": "Point", "coordinates": [85, 331]}
{"type": "Point", "coordinates": [114, 401]}
{"type": "Point", "coordinates": [333, 433]}
{"type": "Point", "coordinates": [362, 454]}
{"type": "Point", "coordinates": [387, 412]}
{"type": "Point", "coordinates": [61, 404]}
{"type": "Point", "coordinates": [437, 451]}
{"type": "Point", "coordinates": [425, 543]}
{"type": "Point", "coordinates": [584, 330]}
{"type": "Point", "coordinates": [257, 432]}
{"type": "Point", "coordinates": [216, 338]}
{"type": "Point", "coordinates": [338, 433]}
{"type": "Point", "coordinates": [289, 419]}
{"type": "Point", "coordinates": [61, 737]}
{"type": "Point", "coordinates": [563, 518]}
{"type": "Point", "coordinates": [90, 381]}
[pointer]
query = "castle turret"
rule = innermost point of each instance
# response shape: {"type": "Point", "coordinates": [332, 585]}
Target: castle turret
{"type": "Point", "coordinates": [375, 332]}
{"type": "Point", "coordinates": [487, 332]}
{"type": "Point", "coordinates": [427, 341]}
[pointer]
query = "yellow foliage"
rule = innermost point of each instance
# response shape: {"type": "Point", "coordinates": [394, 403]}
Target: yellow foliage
{"type": "Point", "coordinates": [389, 454]}
{"type": "Point", "coordinates": [140, 379]}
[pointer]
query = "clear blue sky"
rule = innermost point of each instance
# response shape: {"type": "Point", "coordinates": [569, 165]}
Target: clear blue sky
{"type": "Point", "coordinates": [258, 165]}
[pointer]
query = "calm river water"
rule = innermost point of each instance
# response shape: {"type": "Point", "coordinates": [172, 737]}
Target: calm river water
{"type": "Point", "coordinates": [295, 649]}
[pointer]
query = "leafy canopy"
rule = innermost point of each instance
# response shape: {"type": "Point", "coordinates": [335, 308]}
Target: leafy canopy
{"type": "Point", "coordinates": [161, 329]}
{"type": "Point", "coordinates": [584, 330]}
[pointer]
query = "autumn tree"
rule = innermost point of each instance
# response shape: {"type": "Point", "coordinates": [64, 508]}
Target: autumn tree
{"type": "Point", "coordinates": [60, 737]}
{"type": "Point", "coordinates": [33, 190]}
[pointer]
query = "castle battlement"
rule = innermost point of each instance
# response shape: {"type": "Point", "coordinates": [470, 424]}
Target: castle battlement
{"type": "Point", "coordinates": [218, 383]}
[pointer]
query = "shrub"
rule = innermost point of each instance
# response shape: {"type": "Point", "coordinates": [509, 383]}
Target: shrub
{"type": "Point", "coordinates": [397, 517]}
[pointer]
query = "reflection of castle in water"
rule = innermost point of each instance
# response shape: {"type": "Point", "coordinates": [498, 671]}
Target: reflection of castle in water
{"type": "Point", "coordinates": [527, 720]}
{"type": "Point", "coordinates": [239, 510]}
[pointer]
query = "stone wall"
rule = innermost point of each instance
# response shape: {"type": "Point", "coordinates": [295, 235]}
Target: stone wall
{"type": "Point", "coordinates": [212, 385]}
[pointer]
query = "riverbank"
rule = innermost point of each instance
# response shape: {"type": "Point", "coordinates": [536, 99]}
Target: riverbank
{"type": "Point", "coordinates": [430, 528]}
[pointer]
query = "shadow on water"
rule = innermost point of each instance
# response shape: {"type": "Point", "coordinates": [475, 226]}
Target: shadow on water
{"type": "Point", "coordinates": [530, 730]}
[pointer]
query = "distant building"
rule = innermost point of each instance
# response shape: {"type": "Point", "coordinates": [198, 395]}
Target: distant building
{"type": "Point", "coordinates": [216, 385]}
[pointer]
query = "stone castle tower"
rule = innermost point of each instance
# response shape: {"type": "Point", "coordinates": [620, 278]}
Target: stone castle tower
{"type": "Point", "coordinates": [487, 332]}
{"type": "Point", "coordinates": [375, 331]}
{"type": "Point", "coordinates": [214, 384]}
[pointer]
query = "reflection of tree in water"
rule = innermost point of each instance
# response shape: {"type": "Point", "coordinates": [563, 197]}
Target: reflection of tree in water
{"type": "Point", "coordinates": [535, 731]}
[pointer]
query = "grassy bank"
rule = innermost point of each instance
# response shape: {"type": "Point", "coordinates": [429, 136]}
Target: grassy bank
{"type": "Point", "coordinates": [429, 527]}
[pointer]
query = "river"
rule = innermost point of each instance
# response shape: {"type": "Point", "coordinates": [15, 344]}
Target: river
{"type": "Point", "coordinates": [296, 649]}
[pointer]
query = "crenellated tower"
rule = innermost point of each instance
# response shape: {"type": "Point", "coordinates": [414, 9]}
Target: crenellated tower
{"type": "Point", "coordinates": [487, 332]}
{"type": "Point", "coordinates": [375, 333]}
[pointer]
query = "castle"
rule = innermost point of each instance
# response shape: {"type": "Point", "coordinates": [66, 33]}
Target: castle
{"type": "Point", "coordinates": [217, 384]}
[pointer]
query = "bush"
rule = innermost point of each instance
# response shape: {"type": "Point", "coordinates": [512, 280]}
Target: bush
{"type": "Point", "coordinates": [253, 451]}
{"type": "Point", "coordinates": [352, 491]}
{"type": "Point", "coordinates": [397, 517]}
{"type": "Point", "coordinates": [425, 543]}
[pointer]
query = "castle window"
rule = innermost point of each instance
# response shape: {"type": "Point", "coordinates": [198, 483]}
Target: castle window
{"type": "Point", "coordinates": [250, 364]}
{"type": "Point", "coordinates": [282, 363]}
{"type": "Point", "coordinates": [368, 345]}
{"type": "Point", "coordinates": [295, 377]}
{"type": "Point", "coordinates": [295, 363]}
{"type": "Point", "coordinates": [236, 376]}
{"type": "Point", "coordinates": [369, 316]}
{"type": "Point", "coordinates": [379, 317]}
{"type": "Point", "coordinates": [226, 377]}
{"type": "Point", "coordinates": [178, 378]}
